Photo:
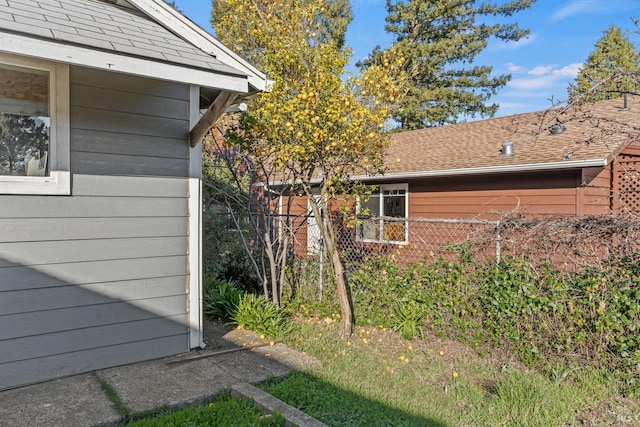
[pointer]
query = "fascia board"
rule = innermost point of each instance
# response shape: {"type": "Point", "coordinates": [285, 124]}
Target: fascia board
{"type": "Point", "coordinates": [86, 57]}
{"type": "Point", "coordinates": [486, 170]}
{"type": "Point", "coordinates": [473, 171]}
{"type": "Point", "coordinates": [174, 21]}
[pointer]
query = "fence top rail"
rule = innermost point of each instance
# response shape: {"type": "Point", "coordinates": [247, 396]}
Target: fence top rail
{"type": "Point", "coordinates": [438, 220]}
{"type": "Point", "coordinates": [399, 219]}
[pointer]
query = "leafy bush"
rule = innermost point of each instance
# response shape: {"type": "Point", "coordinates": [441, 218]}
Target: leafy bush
{"type": "Point", "coordinates": [223, 256]}
{"type": "Point", "coordinates": [547, 316]}
{"type": "Point", "coordinates": [550, 317]}
{"type": "Point", "coordinates": [375, 287]}
{"type": "Point", "coordinates": [221, 298]}
{"type": "Point", "coordinates": [260, 315]}
{"type": "Point", "coordinates": [446, 292]}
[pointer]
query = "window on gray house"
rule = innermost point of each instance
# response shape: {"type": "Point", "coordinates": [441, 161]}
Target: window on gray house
{"type": "Point", "coordinates": [25, 121]}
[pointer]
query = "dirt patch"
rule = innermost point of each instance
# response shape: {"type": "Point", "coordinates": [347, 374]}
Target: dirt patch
{"type": "Point", "coordinates": [218, 337]}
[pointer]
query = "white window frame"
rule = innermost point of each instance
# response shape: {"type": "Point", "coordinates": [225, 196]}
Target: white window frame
{"type": "Point", "coordinates": [380, 193]}
{"type": "Point", "coordinates": [59, 180]}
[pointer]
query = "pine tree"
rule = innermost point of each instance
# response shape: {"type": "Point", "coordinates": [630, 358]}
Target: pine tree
{"type": "Point", "coordinates": [610, 70]}
{"type": "Point", "coordinates": [440, 40]}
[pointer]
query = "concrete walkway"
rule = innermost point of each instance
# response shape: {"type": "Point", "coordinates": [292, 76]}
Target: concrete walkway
{"type": "Point", "coordinates": [234, 359]}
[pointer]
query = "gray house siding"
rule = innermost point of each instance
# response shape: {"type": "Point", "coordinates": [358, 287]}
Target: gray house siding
{"type": "Point", "coordinates": [98, 278]}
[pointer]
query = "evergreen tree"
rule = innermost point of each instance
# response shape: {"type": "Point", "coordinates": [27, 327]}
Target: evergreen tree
{"type": "Point", "coordinates": [439, 41]}
{"type": "Point", "coordinates": [334, 17]}
{"type": "Point", "coordinates": [611, 69]}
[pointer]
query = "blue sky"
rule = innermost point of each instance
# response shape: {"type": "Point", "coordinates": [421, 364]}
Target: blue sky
{"type": "Point", "coordinates": [563, 33]}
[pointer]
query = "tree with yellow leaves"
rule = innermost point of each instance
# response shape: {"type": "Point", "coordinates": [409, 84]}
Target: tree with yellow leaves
{"type": "Point", "coordinates": [316, 126]}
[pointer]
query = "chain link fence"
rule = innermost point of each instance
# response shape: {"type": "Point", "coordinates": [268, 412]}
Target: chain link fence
{"type": "Point", "coordinates": [569, 243]}
{"type": "Point", "coordinates": [564, 241]}
{"type": "Point", "coordinates": [404, 239]}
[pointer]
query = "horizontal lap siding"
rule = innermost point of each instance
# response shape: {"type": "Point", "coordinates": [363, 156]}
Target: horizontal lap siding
{"type": "Point", "coordinates": [99, 278]}
{"type": "Point", "coordinates": [488, 204]}
{"type": "Point", "coordinates": [595, 195]}
{"type": "Point", "coordinates": [298, 214]}
{"type": "Point", "coordinates": [548, 193]}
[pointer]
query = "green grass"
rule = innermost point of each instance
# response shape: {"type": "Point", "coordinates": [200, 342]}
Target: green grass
{"type": "Point", "coordinates": [336, 406]}
{"type": "Point", "coordinates": [222, 410]}
{"type": "Point", "coordinates": [113, 396]}
{"type": "Point", "coordinates": [378, 379]}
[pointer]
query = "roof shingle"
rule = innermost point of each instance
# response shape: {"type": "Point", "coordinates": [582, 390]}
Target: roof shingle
{"type": "Point", "coordinates": [593, 131]}
{"type": "Point", "coordinates": [99, 24]}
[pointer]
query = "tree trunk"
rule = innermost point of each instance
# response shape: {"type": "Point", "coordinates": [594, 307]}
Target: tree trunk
{"type": "Point", "coordinates": [342, 287]}
{"type": "Point", "coordinates": [346, 311]}
{"type": "Point", "coordinates": [273, 267]}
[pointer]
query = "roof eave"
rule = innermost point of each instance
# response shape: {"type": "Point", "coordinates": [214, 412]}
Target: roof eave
{"type": "Point", "coordinates": [177, 23]}
{"type": "Point", "coordinates": [578, 164]}
{"type": "Point", "coordinates": [530, 167]}
{"type": "Point", "coordinates": [52, 50]}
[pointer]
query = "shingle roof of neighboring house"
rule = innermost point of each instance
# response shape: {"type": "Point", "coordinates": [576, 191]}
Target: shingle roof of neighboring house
{"type": "Point", "coordinates": [102, 25]}
{"type": "Point", "coordinates": [594, 133]}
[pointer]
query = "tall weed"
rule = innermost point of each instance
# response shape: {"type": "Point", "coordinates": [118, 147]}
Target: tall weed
{"type": "Point", "coordinates": [221, 298]}
{"type": "Point", "coordinates": [260, 315]}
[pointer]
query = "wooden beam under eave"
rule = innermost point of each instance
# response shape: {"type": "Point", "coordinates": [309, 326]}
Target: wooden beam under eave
{"type": "Point", "coordinates": [215, 110]}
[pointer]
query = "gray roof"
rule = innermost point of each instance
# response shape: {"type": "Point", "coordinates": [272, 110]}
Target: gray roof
{"type": "Point", "coordinates": [101, 25]}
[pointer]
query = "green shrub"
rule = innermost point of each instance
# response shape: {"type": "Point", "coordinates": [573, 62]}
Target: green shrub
{"type": "Point", "coordinates": [447, 293]}
{"type": "Point", "coordinates": [409, 314]}
{"type": "Point", "coordinates": [547, 316]}
{"type": "Point", "coordinates": [221, 298]}
{"type": "Point", "coordinates": [375, 287]}
{"type": "Point", "coordinates": [223, 255]}
{"type": "Point", "coordinates": [302, 278]}
{"type": "Point", "coordinates": [261, 315]}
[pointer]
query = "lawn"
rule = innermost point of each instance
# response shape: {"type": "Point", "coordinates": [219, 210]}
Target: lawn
{"type": "Point", "coordinates": [377, 378]}
{"type": "Point", "coordinates": [222, 410]}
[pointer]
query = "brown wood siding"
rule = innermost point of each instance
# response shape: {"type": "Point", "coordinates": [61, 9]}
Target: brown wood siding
{"type": "Point", "coordinates": [492, 204]}
{"type": "Point", "coordinates": [594, 197]}
{"type": "Point", "coordinates": [488, 197]}
{"type": "Point", "coordinates": [297, 221]}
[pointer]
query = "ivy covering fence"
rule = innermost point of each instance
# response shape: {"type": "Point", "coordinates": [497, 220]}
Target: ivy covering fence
{"type": "Point", "coordinates": [560, 294]}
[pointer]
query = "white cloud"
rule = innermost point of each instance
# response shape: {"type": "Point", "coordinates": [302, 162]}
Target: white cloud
{"type": "Point", "coordinates": [533, 83]}
{"type": "Point", "coordinates": [543, 83]}
{"type": "Point", "coordinates": [570, 70]}
{"type": "Point", "coordinates": [540, 70]}
{"type": "Point", "coordinates": [513, 68]}
{"type": "Point", "coordinates": [574, 8]}
{"type": "Point", "coordinates": [545, 77]}
{"type": "Point", "coordinates": [577, 7]}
